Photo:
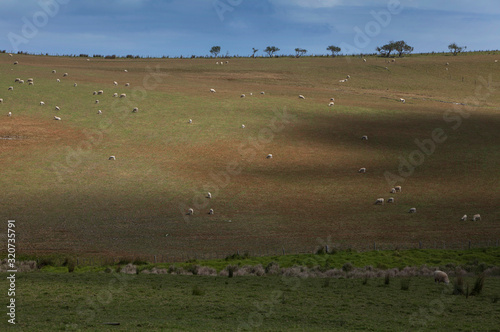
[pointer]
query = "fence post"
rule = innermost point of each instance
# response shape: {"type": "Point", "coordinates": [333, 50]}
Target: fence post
{"type": "Point", "coordinates": [283, 249]}
{"type": "Point", "coordinates": [374, 246]}
{"type": "Point", "coordinates": [326, 248]}
{"type": "Point", "coordinates": [420, 244]}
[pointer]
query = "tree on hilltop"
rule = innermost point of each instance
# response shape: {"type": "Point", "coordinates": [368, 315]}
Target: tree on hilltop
{"type": "Point", "coordinates": [455, 49]}
{"type": "Point", "coordinates": [334, 49]}
{"type": "Point", "coordinates": [299, 52]}
{"type": "Point", "coordinates": [270, 50]}
{"type": "Point", "coordinates": [402, 48]}
{"type": "Point", "coordinates": [215, 50]}
{"type": "Point", "coordinates": [254, 50]}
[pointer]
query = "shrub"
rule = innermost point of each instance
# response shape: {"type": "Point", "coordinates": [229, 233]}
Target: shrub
{"type": "Point", "coordinates": [347, 267]}
{"type": "Point", "coordinates": [478, 285]}
{"type": "Point", "coordinates": [272, 268]}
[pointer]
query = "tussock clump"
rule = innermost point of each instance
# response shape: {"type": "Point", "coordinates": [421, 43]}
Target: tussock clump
{"type": "Point", "coordinates": [206, 271]}
{"type": "Point", "coordinates": [272, 268]}
{"type": "Point", "coordinates": [492, 271]}
{"type": "Point", "coordinates": [21, 266]}
{"type": "Point", "coordinates": [295, 271]}
{"type": "Point", "coordinates": [348, 267]}
{"type": "Point", "coordinates": [335, 273]}
{"type": "Point", "coordinates": [145, 271]}
{"type": "Point", "coordinates": [129, 269]}
{"type": "Point", "coordinates": [154, 270]}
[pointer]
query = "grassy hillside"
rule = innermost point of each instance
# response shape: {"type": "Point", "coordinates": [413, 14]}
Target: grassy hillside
{"type": "Point", "coordinates": [66, 196]}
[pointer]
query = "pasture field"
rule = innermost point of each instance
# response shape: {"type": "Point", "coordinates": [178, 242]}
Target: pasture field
{"type": "Point", "coordinates": [84, 301]}
{"type": "Point", "coordinates": [67, 197]}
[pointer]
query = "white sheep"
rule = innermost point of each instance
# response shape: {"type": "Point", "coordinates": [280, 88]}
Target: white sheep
{"type": "Point", "coordinates": [269, 156]}
{"type": "Point", "coordinates": [29, 80]}
{"type": "Point", "coordinates": [398, 189]}
{"type": "Point", "coordinates": [190, 121]}
{"type": "Point", "coordinates": [123, 95]}
{"type": "Point", "coordinates": [75, 85]}
{"type": "Point", "coordinates": [127, 84]}
{"type": "Point", "coordinates": [190, 212]}
{"type": "Point", "coordinates": [348, 76]}
{"type": "Point", "coordinates": [379, 201]}
{"type": "Point", "coordinates": [211, 211]}
{"type": "Point", "coordinates": [99, 112]}
{"type": "Point", "coordinates": [262, 93]}
{"type": "Point", "coordinates": [100, 92]}
{"type": "Point", "coordinates": [332, 99]}
{"type": "Point", "coordinates": [65, 74]}
{"type": "Point", "coordinates": [476, 217]}
{"type": "Point", "coordinates": [302, 97]}
{"type": "Point", "coordinates": [21, 81]}
{"type": "Point", "coordinates": [217, 63]}
{"type": "Point", "coordinates": [251, 93]}
{"type": "Point", "coordinates": [209, 195]}
{"type": "Point", "coordinates": [11, 88]}
{"type": "Point", "coordinates": [243, 126]}
{"type": "Point", "coordinates": [342, 81]}
{"type": "Point", "coordinates": [413, 210]}
{"type": "Point", "coordinates": [496, 61]}
{"type": "Point", "coordinates": [447, 63]}
{"type": "Point", "coordinates": [53, 71]}
{"type": "Point", "coordinates": [31, 83]}
{"type": "Point", "coordinates": [1, 100]}
{"type": "Point", "coordinates": [212, 90]}
{"type": "Point", "coordinates": [17, 80]}
{"type": "Point", "coordinates": [115, 94]}
{"type": "Point", "coordinates": [364, 138]}
{"type": "Point", "coordinates": [112, 158]}
{"type": "Point", "coordinates": [362, 170]}
{"type": "Point", "coordinates": [94, 93]}
{"type": "Point", "coordinates": [390, 200]}
{"type": "Point", "coordinates": [227, 62]}
{"type": "Point", "coordinates": [57, 108]}
{"type": "Point", "coordinates": [126, 70]}
{"type": "Point", "coordinates": [9, 114]}
{"type": "Point", "coordinates": [57, 118]}
{"type": "Point", "coordinates": [393, 191]}
{"type": "Point", "coordinates": [402, 100]}
{"type": "Point", "coordinates": [58, 80]}
{"type": "Point", "coordinates": [393, 60]}
{"type": "Point", "coordinates": [331, 104]}
{"type": "Point", "coordinates": [135, 110]}
{"type": "Point", "coordinates": [10, 54]}
{"type": "Point", "coordinates": [464, 218]}
{"type": "Point", "coordinates": [242, 96]}
{"type": "Point", "coordinates": [440, 276]}
{"type": "Point", "coordinates": [115, 83]}
{"type": "Point", "coordinates": [42, 103]}
{"type": "Point", "coordinates": [97, 101]}
{"type": "Point", "coordinates": [364, 60]}
{"type": "Point", "coordinates": [16, 62]}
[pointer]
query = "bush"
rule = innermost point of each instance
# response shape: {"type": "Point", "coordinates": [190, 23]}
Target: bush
{"type": "Point", "coordinates": [478, 285]}
{"type": "Point", "coordinates": [70, 264]}
{"type": "Point", "coordinates": [347, 267]}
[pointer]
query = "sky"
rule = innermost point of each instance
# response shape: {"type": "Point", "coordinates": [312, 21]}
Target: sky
{"type": "Point", "coordinates": [191, 27]}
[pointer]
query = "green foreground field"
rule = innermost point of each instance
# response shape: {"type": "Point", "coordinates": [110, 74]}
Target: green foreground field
{"type": "Point", "coordinates": [85, 301]}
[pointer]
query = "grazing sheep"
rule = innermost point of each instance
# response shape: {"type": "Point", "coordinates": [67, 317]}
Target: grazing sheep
{"type": "Point", "coordinates": [97, 101]}
{"type": "Point", "coordinates": [31, 83]}
{"type": "Point", "coordinates": [362, 170]}
{"type": "Point", "coordinates": [16, 62]}
{"type": "Point", "coordinates": [269, 156]}
{"type": "Point", "coordinates": [379, 201]}
{"type": "Point", "coordinates": [242, 96]}
{"type": "Point", "coordinates": [42, 103]}
{"type": "Point", "coordinates": [413, 210]}
{"type": "Point", "coordinates": [390, 200]}
{"type": "Point", "coordinates": [211, 211]}
{"type": "Point", "coordinates": [464, 218]}
{"type": "Point", "coordinates": [99, 112]}
{"type": "Point", "coordinates": [302, 97]}
{"type": "Point", "coordinates": [447, 63]}
{"type": "Point", "coordinates": [262, 93]}
{"type": "Point", "coordinates": [54, 71]}
{"type": "Point", "coordinates": [57, 118]}
{"type": "Point", "coordinates": [364, 60]}
{"type": "Point", "coordinates": [11, 88]}
{"type": "Point", "coordinates": [364, 138]}
{"type": "Point", "coordinates": [58, 80]}
{"type": "Point", "coordinates": [243, 126]}
{"type": "Point", "coordinates": [402, 100]}
{"type": "Point", "coordinates": [386, 68]}
{"type": "Point", "coordinates": [65, 74]}
{"type": "Point", "coordinates": [496, 61]}
{"type": "Point", "coordinates": [1, 100]}
{"type": "Point", "coordinates": [476, 217]}
{"type": "Point", "coordinates": [75, 85]}
{"type": "Point", "coordinates": [115, 83]}
{"type": "Point", "coordinates": [393, 191]}
{"type": "Point", "coordinates": [190, 212]}
{"type": "Point", "coordinates": [126, 70]}
{"type": "Point", "coordinates": [342, 81]}
{"type": "Point", "coordinates": [115, 94]}
{"type": "Point", "coordinates": [348, 76]}
{"type": "Point", "coordinates": [212, 90]}
{"type": "Point", "coordinates": [94, 93]}
{"type": "Point", "coordinates": [135, 110]}
{"type": "Point", "coordinates": [331, 104]}
{"type": "Point", "coordinates": [10, 54]}
{"type": "Point", "coordinates": [123, 95]}
{"type": "Point", "coordinates": [112, 158]}
{"type": "Point", "coordinates": [17, 80]}
{"type": "Point", "coordinates": [29, 80]}
{"type": "Point", "coordinates": [209, 195]}
{"type": "Point", "coordinates": [332, 99]}
{"type": "Point", "coordinates": [190, 121]}
{"type": "Point", "coordinates": [9, 114]}
{"type": "Point", "coordinates": [21, 81]}
{"type": "Point", "coordinates": [100, 92]}
{"type": "Point", "coordinates": [127, 84]}
{"type": "Point", "coordinates": [217, 63]}
{"type": "Point", "coordinates": [57, 108]}
{"type": "Point", "coordinates": [440, 276]}
{"type": "Point", "coordinates": [398, 189]}
{"type": "Point", "coordinates": [393, 60]}
{"type": "Point", "coordinates": [227, 62]}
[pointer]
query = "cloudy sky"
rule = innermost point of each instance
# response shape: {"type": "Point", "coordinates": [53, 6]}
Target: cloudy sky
{"type": "Point", "coordinates": [192, 27]}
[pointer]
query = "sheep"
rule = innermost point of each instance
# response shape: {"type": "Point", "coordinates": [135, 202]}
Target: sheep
{"type": "Point", "coordinates": [440, 276]}
{"type": "Point", "coordinates": [251, 93]}
{"type": "Point", "coordinates": [390, 200]}
{"type": "Point", "coordinates": [126, 70]}
{"type": "Point", "coordinates": [342, 81]}
{"type": "Point", "coordinates": [100, 92]}
{"type": "Point", "coordinates": [17, 80]}
{"type": "Point", "coordinates": [54, 71]}
{"type": "Point", "coordinates": [16, 62]}
{"type": "Point", "coordinates": [123, 95]}
{"type": "Point", "coordinates": [58, 80]}
{"type": "Point", "coordinates": [115, 83]}
{"type": "Point", "coordinates": [447, 63]}
{"type": "Point", "coordinates": [29, 80]}
{"type": "Point", "coordinates": [10, 54]}
{"type": "Point", "coordinates": [75, 85]}
{"type": "Point", "coordinates": [362, 170]}
{"type": "Point", "coordinates": [1, 100]}
{"type": "Point", "coordinates": [211, 211]}
{"type": "Point", "coordinates": [94, 93]}
{"type": "Point", "coordinates": [190, 121]}
{"type": "Point", "coordinates": [393, 60]}
{"type": "Point", "coordinates": [262, 93]}
{"type": "Point", "coordinates": [57, 108]}
{"type": "Point", "coordinates": [42, 103]}
{"type": "Point", "coordinates": [331, 104]}
{"type": "Point", "coordinates": [31, 83]}
{"type": "Point", "coordinates": [243, 126]}
{"type": "Point", "coordinates": [402, 100]}
{"type": "Point", "coordinates": [21, 81]}
{"type": "Point", "coordinates": [190, 212]}
{"type": "Point", "coordinates": [135, 110]}
{"type": "Point", "coordinates": [364, 138]}
{"type": "Point", "coordinates": [127, 84]}
{"type": "Point", "coordinates": [496, 61]}
{"type": "Point", "coordinates": [9, 114]}
{"type": "Point", "coordinates": [476, 217]}
{"type": "Point", "coordinates": [364, 60]}
{"type": "Point", "coordinates": [269, 156]}
{"type": "Point", "coordinates": [393, 191]}
{"type": "Point", "coordinates": [57, 118]}
{"type": "Point", "coordinates": [97, 101]}
{"type": "Point", "coordinates": [212, 90]}
{"type": "Point", "coordinates": [115, 94]}
{"type": "Point", "coordinates": [99, 112]}
{"type": "Point", "coordinates": [379, 201]}
{"type": "Point", "coordinates": [242, 96]}
{"type": "Point", "coordinates": [386, 68]}
{"type": "Point", "coordinates": [413, 210]}
{"type": "Point", "coordinates": [348, 76]}
{"type": "Point", "coordinates": [398, 189]}
{"type": "Point", "coordinates": [112, 158]}
{"type": "Point", "coordinates": [217, 63]}
{"type": "Point", "coordinates": [464, 218]}
{"type": "Point", "coordinates": [302, 97]}
{"type": "Point", "coordinates": [11, 88]}
{"type": "Point", "coordinates": [332, 99]}
{"type": "Point", "coordinates": [65, 74]}
{"type": "Point", "coordinates": [209, 195]}
{"type": "Point", "coordinates": [227, 62]}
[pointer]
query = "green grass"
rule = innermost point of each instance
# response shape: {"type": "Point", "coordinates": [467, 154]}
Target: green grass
{"type": "Point", "coordinates": [51, 302]}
